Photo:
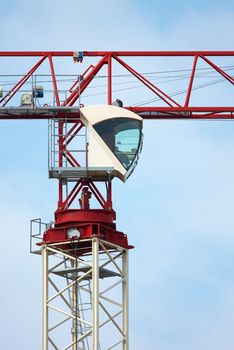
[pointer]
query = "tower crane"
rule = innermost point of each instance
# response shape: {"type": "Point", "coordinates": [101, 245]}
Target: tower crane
{"type": "Point", "coordinates": [84, 256]}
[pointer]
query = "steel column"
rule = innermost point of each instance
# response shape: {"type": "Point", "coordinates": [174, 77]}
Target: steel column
{"type": "Point", "coordinates": [125, 301]}
{"type": "Point", "coordinates": [95, 297]}
{"type": "Point", "coordinates": [74, 305]}
{"type": "Point", "coordinates": [44, 298]}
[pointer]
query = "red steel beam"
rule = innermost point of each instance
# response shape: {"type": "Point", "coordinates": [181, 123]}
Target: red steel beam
{"type": "Point", "coordinates": [116, 53]}
{"type": "Point", "coordinates": [144, 112]}
{"type": "Point", "coordinates": [87, 80]}
{"type": "Point", "coordinates": [20, 83]}
{"type": "Point", "coordinates": [184, 112]}
{"type": "Point", "coordinates": [148, 84]}
{"type": "Point", "coordinates": [187, 98]}
{"type": "Point", "coordinates": [219, 70]}
{"type": "Point", "coordinates": [56, 94]}
{"type": "Point", "coordinates": [157, 53]}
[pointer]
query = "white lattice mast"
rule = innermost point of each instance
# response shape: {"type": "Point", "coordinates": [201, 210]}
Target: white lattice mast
{"type": "Point", "coordinates": [86, 294]}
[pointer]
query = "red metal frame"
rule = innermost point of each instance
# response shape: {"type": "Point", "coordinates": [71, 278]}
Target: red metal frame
{"type": "Point", "coordinates": [171, 109]}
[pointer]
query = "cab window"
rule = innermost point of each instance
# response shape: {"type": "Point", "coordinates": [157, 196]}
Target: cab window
{"type": "Point", "coordinates": [122, 136]}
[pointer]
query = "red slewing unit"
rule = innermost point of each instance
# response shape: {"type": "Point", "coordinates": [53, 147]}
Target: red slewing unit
{"type": "Point", "coordinates": [81, 224]}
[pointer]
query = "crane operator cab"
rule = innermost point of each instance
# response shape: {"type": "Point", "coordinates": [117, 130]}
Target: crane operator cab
{"type": "Point", "coordinates": [114, 140]}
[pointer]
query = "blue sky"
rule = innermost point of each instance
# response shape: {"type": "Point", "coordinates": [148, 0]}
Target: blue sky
{"type": "Point", "coordinates": [179, 211]}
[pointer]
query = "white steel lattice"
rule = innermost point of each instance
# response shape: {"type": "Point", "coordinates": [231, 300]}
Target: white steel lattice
{"type": "Point", "coordinates": [85, 297]}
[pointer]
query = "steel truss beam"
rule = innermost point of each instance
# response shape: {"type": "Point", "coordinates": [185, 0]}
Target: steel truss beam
{"type": "Point", "coordinates": [170, 108]}
{"type": "Point", "coordinates": [85, 297]}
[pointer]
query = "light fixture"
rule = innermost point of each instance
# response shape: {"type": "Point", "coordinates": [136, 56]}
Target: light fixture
{"type": "Point", "coordinates": [73, 232]}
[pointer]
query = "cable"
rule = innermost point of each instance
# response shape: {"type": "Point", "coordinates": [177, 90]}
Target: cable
{"type": "Point", "coordinates": [178, 93]}
{"type": "Point", "coordinates": [228, 68]}
{"type": "Point", "coordinates": [163, 77]}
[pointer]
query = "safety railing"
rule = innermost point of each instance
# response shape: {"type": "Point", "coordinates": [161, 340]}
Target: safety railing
{"type": "Point", "coordinates": [37, 228]}
{"type": "Point", "coordinates": [66, 148]}
{"type": "Point", "coordinates": [38, 91]}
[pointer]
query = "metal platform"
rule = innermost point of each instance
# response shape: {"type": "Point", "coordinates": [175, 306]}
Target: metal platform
{"type": "Point", "coordinates": [31, 112]}
{"type": "Point", "coordinates": [70, 272]}
{"type": "Point", "coordinates": [70, 173]}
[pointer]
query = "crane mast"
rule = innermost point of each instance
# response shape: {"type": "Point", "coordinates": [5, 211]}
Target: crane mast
{"type": "Point", "coordinates": [84, 256]}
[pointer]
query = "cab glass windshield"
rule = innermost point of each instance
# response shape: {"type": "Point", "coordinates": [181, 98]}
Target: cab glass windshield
{"type": "Point", "coordinates": [122, 136]}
